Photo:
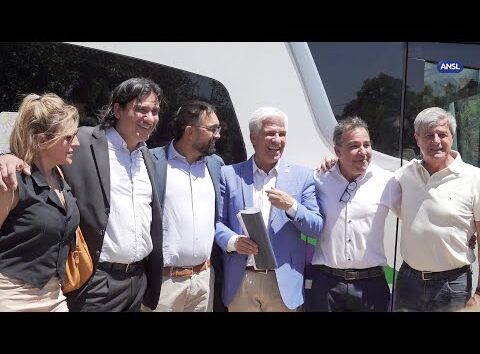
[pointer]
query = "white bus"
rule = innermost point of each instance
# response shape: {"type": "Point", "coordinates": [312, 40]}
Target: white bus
{"type": "Point", "coordinates": [316, 84]}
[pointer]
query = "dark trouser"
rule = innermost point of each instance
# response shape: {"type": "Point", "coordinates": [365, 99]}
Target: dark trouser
{"type": "Point", "coordinates": [217, 264]}
{"type": "Point", "coordinates": [110, 290]}
{"type": "Point", "coordinates": [432, 291]}
{"type": "Point", "coordinates": [218, 305]}
{"type": "Point", "coordinates": [332, 293]}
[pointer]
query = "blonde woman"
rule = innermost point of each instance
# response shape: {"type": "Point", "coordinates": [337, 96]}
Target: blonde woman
{"type": "Point", "coordinates": [38, 220]}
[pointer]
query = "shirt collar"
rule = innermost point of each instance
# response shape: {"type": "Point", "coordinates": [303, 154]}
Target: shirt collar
{"type": "Point", "coordinates": [40, 180]}
{"type": "Point", "coordinates": [174, 154]}
{"type": "Point", "coordinates": [273, 171]}
{"type": "Point", "coordinates": [117, 141]}
{"type": "Point", "coordinates": [366, 174]}
{"type": "Point", "coordinates": [456, 166]}
{"type": "Point", "coordinates": [38, 177]}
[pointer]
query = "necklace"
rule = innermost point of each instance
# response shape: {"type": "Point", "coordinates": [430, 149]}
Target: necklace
{"type": "Point", "coordinates": [56, 186]}
{"type": "Point", "coordinates": [61, 197]}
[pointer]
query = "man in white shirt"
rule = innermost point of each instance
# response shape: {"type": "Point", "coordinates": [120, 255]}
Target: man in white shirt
{"type": "Point", "coordinates": [355, 197]}
{"type": "Point", "coordinates": [187, 176]}
{"type": "Point", "coordinates": [440, 209]}
{"type": "Point", "coordinates": [285, 193]}
{"type": "Point", "coordinates": [112, 178]}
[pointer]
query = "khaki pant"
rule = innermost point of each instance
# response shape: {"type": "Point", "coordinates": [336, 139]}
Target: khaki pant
{"type": "Point", "coordinates": [15, 295]}
{"type": "Point", "coordinates": [258, 293]}
{"type": "Point", "coordinates": [186, 294]}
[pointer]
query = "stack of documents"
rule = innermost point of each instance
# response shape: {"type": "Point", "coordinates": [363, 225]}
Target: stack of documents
{"type": "Point", "coordinates": [253, 226]}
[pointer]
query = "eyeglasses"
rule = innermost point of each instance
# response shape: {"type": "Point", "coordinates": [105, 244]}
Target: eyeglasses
{"type": "Point", "coordinates": [346, 196]}
{"type": "Point", "coordinates": [56, 138]}
{"type": "Point", "coordinates": [215, 129]}
{"type": "Point", "coordinates": [69, 138]}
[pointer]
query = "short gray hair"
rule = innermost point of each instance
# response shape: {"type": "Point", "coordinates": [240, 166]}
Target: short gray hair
{"type": "Point", "coordinates": [257, 118]}
{"type": "Point", "coordinates": [432, 116]}
{"type": "Point", "coordinates": [348, 124]}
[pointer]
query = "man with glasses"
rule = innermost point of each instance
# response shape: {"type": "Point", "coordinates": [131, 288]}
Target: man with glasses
{"type": "Point", "coordinates": [355, 197]}
{"type": "Point", "coordinates": [285, 193]}
{"type": "Point", "coordinates": [187, 176]}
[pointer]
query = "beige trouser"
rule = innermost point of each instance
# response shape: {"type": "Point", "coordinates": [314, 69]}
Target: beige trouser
{"type": "Point", "coordinates": [186, 294]}
{"type": "Point", "coordinates": [15, 295]}
{"type": "Point", "coordinates": [258, 293]}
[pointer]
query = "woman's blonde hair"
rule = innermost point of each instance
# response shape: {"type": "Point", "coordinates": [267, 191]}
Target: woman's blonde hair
{"type": "Point", "coordinates": [46, 115]}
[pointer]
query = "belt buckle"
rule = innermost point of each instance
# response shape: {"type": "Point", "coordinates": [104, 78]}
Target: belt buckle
{"type": "Point", "coordinates": [180, 269]}
{"type": "Point", "coordinates": [351, 274]}
{"type": "Point", "coordinates": [423, 276]}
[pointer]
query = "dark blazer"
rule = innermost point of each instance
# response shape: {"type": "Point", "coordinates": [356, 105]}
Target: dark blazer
{"type": "Point", "coordinates": [89, 178]}
{"type": "Point", "coordinates": [214, 163]}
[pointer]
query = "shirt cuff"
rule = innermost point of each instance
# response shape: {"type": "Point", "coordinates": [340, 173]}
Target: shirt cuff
{"type": "Point", "coordinates": [292, 211]}
{"type": "Point", "coordinates": [231, 243]}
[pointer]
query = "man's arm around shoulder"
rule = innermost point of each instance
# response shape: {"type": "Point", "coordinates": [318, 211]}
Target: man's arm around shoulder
{"type": "Point", "coordinates": [309, 219]}
{"type": "Point", "coordinates": [9, 164]}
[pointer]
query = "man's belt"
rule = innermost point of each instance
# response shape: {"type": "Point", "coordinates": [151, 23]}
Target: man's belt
{"type": "Point", "coordinates": [120, 267]}
{"type": "Point", "coordinates": [264, 271]}
{"type": "Point", "coordinates": [186, 271]}
{"type": "Point", "coordinates": [353, 274]}
{"type": "Point", "coordinates": [447, 274]}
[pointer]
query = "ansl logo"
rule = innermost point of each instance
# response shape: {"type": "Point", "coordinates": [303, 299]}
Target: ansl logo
{"type": "Point", "coordinates": [449, 66]}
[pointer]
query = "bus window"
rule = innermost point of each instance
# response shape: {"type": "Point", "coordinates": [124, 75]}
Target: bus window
{"type": "Point", "coordinates": [458, 93]}
{"type": "Point", "coordinates": [86, 76]}
{"type": "Point", "coordinates": [365, 79]}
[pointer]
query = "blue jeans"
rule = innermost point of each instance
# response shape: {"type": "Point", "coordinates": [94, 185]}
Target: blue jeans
{"type": "Point", "coordinates": [412, 293]}
{"type": "Point", "coordinates": [331, 293]}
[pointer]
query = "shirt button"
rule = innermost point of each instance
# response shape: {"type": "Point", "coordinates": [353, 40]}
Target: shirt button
{"type": "Point", "coordinates": [349, 259]}
{"type": "Point", "coordinates": [101, 232]}
{"type": "Point", "coordinates": [349, 240]}
{"type": "Point", "coordinates": [349, 221]}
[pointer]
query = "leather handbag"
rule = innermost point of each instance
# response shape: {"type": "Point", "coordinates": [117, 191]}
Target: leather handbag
{"type": "Point", "coordinates": [79, 267]}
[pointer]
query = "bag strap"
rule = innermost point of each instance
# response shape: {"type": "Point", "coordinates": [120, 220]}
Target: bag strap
{"type": "Point", "coordinates": [62, 185]}
{"type": "Point", "coordinates": [60, 172]}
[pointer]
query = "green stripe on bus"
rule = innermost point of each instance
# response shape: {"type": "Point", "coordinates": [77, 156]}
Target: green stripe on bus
{"type": "Point", "coordinates": [389, 274]}
{"type": "Point", "coordinates": [312, 241]}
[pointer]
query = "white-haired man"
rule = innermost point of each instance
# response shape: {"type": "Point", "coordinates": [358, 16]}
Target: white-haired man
{"type": "Point", "coordinates": [286, 195]}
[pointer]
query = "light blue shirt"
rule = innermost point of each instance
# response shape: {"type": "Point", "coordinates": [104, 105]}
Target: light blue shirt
{"type": "Point", "coordinates": [188, 213]}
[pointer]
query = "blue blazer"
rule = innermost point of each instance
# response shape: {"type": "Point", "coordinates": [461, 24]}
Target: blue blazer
{"type": "Point", "coordinates": [236, 188]}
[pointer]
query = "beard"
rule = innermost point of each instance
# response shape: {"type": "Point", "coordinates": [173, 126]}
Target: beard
{"type": "Point", "coordinates": [208, 149]}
